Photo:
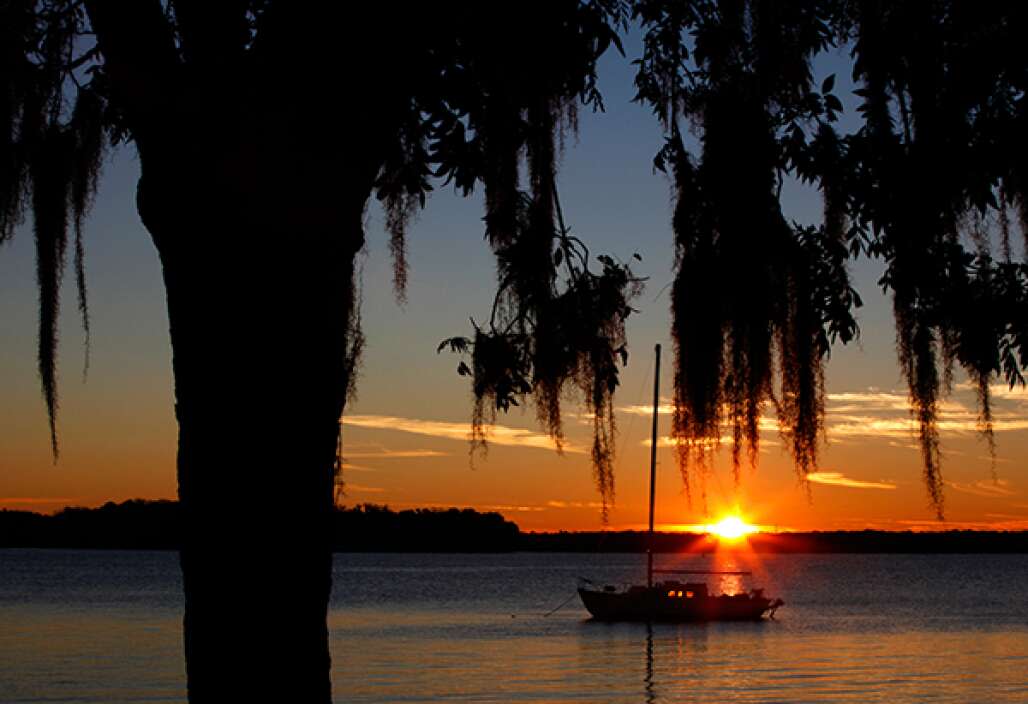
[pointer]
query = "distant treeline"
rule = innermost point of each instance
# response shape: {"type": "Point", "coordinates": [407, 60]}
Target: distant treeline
{"type": "Point", "coordinates": [373, 528]}
{"type": "Point", "coordinates": [153, 525]}
{"type": "Point", "coordinates": [133, 524]}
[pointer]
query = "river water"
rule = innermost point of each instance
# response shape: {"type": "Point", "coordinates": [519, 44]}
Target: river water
{"type": "Point", "coordinates": [94, 626]}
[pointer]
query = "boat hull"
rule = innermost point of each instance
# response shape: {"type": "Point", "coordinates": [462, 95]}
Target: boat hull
{"type": "Point", "coordinates": [653, 605]}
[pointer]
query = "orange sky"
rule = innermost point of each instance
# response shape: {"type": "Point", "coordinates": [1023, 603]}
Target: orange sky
{"type": "Point", "coordinates": [118, 442]}
{"type": "Point", "coordinates": [869, 477]}
{"type": "Point", "coordinates": [405, 435]}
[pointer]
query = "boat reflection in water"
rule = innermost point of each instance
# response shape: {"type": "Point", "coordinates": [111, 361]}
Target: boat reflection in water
{"type": "Point", "coordinates": [672, 600]}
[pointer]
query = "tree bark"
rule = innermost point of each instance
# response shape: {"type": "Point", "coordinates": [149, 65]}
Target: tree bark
{"type": "Point", "coordinates": [259, 318]}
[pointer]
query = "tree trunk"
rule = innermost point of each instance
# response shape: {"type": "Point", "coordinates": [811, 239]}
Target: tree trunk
{"type": "Point", "coordinates": [254, 183]}
{"type": "Point", "coordinates": [259, 320]}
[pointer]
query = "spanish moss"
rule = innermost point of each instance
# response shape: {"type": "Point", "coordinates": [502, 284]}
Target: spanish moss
{"type": "Point", "coordinates": [756, 299]}
{"type": "Point", "coordinates": [87, 128]}
{"type": "Point", "coordinates": [557, 325]}
{"type": "Point", "coordinates": [402, 187]}
{"type": "Point", "coordinates": [51, 178]}
{"type": "Point", "coordinates": [933, 185]}
{"type": "Point", "coordinates": [53, 138]}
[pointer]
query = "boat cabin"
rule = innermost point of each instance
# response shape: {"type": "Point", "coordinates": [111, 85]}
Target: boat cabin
{"type": "Point", "coordinates": [678, 590]}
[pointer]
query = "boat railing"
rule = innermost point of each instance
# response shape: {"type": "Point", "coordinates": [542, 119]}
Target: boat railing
{"type": "Point", "coordinates": [725, 572]}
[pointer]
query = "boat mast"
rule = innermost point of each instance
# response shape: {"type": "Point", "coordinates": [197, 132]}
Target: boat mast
{"type": "Point", "coordinates": [653, 467]}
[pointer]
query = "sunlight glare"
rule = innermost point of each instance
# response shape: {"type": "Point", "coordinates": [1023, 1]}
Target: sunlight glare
{"type": "Point", "coordinates": [731, 528]}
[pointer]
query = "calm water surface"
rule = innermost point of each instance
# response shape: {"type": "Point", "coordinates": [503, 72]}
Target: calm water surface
{"type": "Point", "coordinates": [83, 626]}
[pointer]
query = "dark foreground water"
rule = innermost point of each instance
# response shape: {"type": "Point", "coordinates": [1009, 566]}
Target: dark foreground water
{"type": "Point", "coordinates": [82, 626]}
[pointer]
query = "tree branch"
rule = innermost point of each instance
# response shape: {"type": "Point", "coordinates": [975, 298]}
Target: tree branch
{"type": "Point", "coordinates": [213, 34]}
{"type": "Point", "coordinates": [140, 59]}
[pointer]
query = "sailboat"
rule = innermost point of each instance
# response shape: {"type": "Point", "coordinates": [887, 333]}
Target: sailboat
{"type": "Point", "coordinates": [671, 599]}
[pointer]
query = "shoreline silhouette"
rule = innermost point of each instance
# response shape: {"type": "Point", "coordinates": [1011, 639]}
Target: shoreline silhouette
{"type": "Point", "coordinates": [138, 524]}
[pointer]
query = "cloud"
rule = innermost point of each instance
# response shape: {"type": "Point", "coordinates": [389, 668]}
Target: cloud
{"type": "Point", "coordinates": [871, 399]}
{"type": "Point", "coordinates": [873, 413]}
{"type": "Point", "coordinates": [1005, 522]}
{"type": "Point", "coordinates": [665, 409]}
{"type": "Point", "coordinates": [870, 426]}
{"type": "Point", "coordinates": [361, 489]}
{"type": "Point", "coordinates": [870, 413]}
{"type": "Point", "coordinates": [906, 445]}
{"type": "Point", "coordinates": [709, 443]}
{"type": "Point", "coordinates": [986, 458]}
{"type": "Point", "coordinates": [495, 434]}
{"type": "Point", "coordinates": [839, 479]}
{"type": "Point", "coordinates": [395, 454]}
{"type": "Point", "coordinates": [574, 504]}
{"type": "Point", "coordinates": [378, 452]}
{"type": "Point", "coordinates": [874, 401]}
{"type": "Point", "coordinates": [916, 525]}
{"type": "Point", "coordinates": [668, 441]}
{"type": "Point", "coordinates": [357, 468]}
{"type": "Point", "coordinates": [986, 487]}
{"type": "Point", "coordinates": [997, 391]}
{"type": "Point", "coordinates": [475, 507]}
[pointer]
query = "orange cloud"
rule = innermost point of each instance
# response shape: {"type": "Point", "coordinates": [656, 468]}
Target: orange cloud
{"type": "Point", "coordinates": [874, 413]}
{"type": "Point", "coordinates": [916, 525]}
{"type": "Point", "coordinates": [361, 489]}
{"type": "Point", "coordinates": [998, 391]}
{"type": "Point", "coordinates": [711, 443]}
{"type": "Point", "coordinates": [574, 504]}
{"type": "Point", "coordinates": [358, 467]}
{"type": "Point", "coordinates": [869, 426]}
{"type": "Point", "coordinates": [886, 414]}
{"type": "Point", "coordinates": [839, 479]}
{"type": "Point", "coordinates": [665, 409]}
{"type": "Point", "coordinates": [999, 488]}
{"type": "Point", "coordinates": [396, 454]}
{"type": "Point", "coordinates": [495, 434]}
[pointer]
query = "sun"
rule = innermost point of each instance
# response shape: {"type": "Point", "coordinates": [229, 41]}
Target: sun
{"type": "Point", "coordinates": [731, 528]}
